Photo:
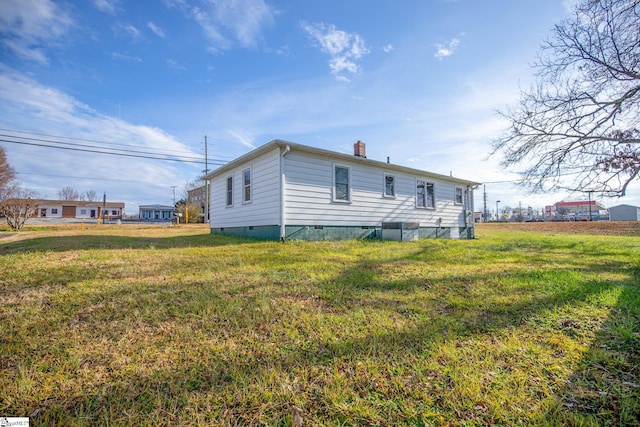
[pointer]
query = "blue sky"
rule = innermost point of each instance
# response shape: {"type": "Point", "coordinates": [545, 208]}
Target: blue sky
{"type": "Point", "coordinates": [416, 80]}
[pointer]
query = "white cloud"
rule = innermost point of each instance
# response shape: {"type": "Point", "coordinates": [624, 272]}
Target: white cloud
{"type": "Point", "coordinates": [243, 137]}
{"type": "Point", "coordinates": [175, 65]}
{"type": "Point", "coordinates": [245, 19]}
{"type": "Point", "coordinates": [343, 47]}
{"type": "Point", "coordinates": [106, 6]}
{"type": "Point", "coordinates": [124, 57]}
{"type": "Point", "coordinates": [26, 26]}
{"type": "Point", "coordinates": [128, 30]}
{"type": "Point", "coordinates": [210, 29]}
{"type": "Point", "coordinates": [446, 49]}
{"type": "Point", "coordinates": [156, 30]}
{"type": "Point", "coordinates": [388, 48]}
{"type": "Point", "coordinates": [227, 23]}
{"type": "Point", "coordinates": [27, 105]}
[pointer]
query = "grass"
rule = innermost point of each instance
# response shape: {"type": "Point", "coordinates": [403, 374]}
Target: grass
{"type": "Point", "coordinates": [173, 326]}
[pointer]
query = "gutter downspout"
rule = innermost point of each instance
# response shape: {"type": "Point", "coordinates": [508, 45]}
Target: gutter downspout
{"type": "Point", "coordinates": [283, 182]}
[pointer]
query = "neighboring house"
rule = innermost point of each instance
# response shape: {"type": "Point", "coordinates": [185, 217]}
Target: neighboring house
{"type": "Point", "coordinates": [156, 213]}
{"type": "Point", "coordinates": [578, 210]}
{"type": "Point", "coordinates": [624, 213]}
{"type": "Point", "coordinates": [283, 190]}
{"type": "Point", "coordinates": [80, 209]}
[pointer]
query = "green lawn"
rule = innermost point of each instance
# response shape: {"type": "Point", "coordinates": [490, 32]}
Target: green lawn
{"type": "Point", "coordinates": [173, 326]}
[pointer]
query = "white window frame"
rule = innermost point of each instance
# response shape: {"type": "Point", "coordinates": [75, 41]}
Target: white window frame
{"type": "Point", "coordinates": [455, 195]}
{"type": "Point", "coordinates": [335, 191]}
{"type": "Point", "coordinates": [427, 199]}
{"type": "Point", "coordinates": [228, 191]}
{"type": "Point", "coordinates": [246, 186]}
{"type": "Point", "coordinates": [384, 186]}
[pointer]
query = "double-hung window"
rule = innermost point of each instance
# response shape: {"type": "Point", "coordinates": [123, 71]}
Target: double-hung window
{"type": "Point", "coordinates": [230, 191]}
{"type": "Point", "coordinates": [389, 185]}
{"type": "Point", "coordinates": [458, 196]}
{"type": "Point", "coordinates": [425, 195]}
{"type": "Point", "coordinates": [246, 185]}
{"type": "Point", "coordinates": [341, 184]}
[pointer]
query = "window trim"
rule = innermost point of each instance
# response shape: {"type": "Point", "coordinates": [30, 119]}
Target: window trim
{"type": "Point", "coordinates": [384, 186]}
{"type": "Point", "coordinates": [334, 190]}
{"type": "Point", "coordinates": [427, 199]}
{"type": "Point", "coordinates": [245, 185]}
{"type": "Point", "coordinates": [229, 191]}
{"type": "Point", "coordinates": [455, 195]}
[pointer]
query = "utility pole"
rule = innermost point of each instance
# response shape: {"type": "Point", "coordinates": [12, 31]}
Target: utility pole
{"type": "Point", "coordinates": [484, 214]}
{"type": "Point", "coordinates": [104, 205]}
{"type": "Point", "coordinates": [589, 192]}
{"type": "Point", "coordinates": [206, 181]}
{"type": "Point", "coordinates": [497, 211]}
{"type": "Point", "coordinates": [173, 187]}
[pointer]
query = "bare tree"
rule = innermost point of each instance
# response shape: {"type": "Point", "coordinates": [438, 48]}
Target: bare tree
{"type": "Point", "coordinates": [8, 181]}
{"type": "Point", "coordinates": [19, 208]}
{"type": "Point", "coordinates": [17, 204]}
{"type": "Point", "coordinates": [90, 196]}
{"type": "Point", "coordinates": [578, 128]}
{"type": "Point", "coordinates": [68, 193]}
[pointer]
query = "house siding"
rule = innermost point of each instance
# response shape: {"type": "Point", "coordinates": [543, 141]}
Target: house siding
{"type": "Point", "coordinates": [301, 180]}
{"type": "Point", "coordinates": [309, 198]}
{"type": "Point", "coordinates": [54, 209]}
{"type": "Point", "coordinates": [264, 207]}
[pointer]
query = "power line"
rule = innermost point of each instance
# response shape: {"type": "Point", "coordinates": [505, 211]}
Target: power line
{"type": "Point", "coordinates": [102, 152]}
{"type": "Point", "coordinates": [86, 140]}
{"type": "Point", "coordinates": [72, 146]}
{"type": "Point", "coordinates": [85, 177]}
{"type": "Point", "coordinates": [23, 140]}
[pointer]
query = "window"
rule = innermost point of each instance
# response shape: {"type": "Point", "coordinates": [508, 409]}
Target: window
{"type": "Point", "coordinates": [458, 196]}
{"type": "Point", "coordinates": [389, 185]}
{"type": "Point", "coordinates": [246, 185]}
{"type": "Point", "coordinates": [230, 191]}
{"type": "Point", "coordinates": [83, 212]}
{"type": "Point", "coordinates": [425, 195]}
{"type": "Point", "coordinates": [43, 212]}
{"type": "Point", "coordinates": [431, 196]}
{"type": "Point", "coordinates": [341, 184]}
{"type": "Point", "coordinates": [54, 211]}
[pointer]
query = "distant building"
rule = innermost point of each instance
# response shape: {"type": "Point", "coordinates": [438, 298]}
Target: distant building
{"type": "Point", "coordinates": [156, 212]}
{"type": "Point", "coordinates": [624, 213]}
{"type": "Point", "coordinates": [578, 210]}
{"type": "Point", "coordinates": [197, 196]}
{"type": "Point", "coordinates": [76, 209]}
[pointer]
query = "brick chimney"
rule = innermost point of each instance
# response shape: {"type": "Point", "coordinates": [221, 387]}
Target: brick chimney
{"type": "Point", "coordinates": [359, 149]}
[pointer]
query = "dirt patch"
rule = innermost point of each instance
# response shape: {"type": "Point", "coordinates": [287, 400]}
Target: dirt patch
{"type": "Point", "coordinates": [608, 228]}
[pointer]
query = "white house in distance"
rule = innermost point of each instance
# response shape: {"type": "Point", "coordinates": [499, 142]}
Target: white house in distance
{"type": "Point", "coordinates": [156, 212]}
{"type": "Point", "coordinates": [283, 190]}
{"type": "Point", "coordinates": [75, 209]}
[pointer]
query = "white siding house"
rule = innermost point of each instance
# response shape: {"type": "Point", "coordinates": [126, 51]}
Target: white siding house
{"type": "Point", "coordinates": [283, 190]}
{"type": "Point", "coordinates": [75, 209]}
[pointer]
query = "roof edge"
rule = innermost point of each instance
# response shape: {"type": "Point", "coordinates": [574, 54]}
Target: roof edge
{"type": "Point", "coordinates": [321, 151]}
